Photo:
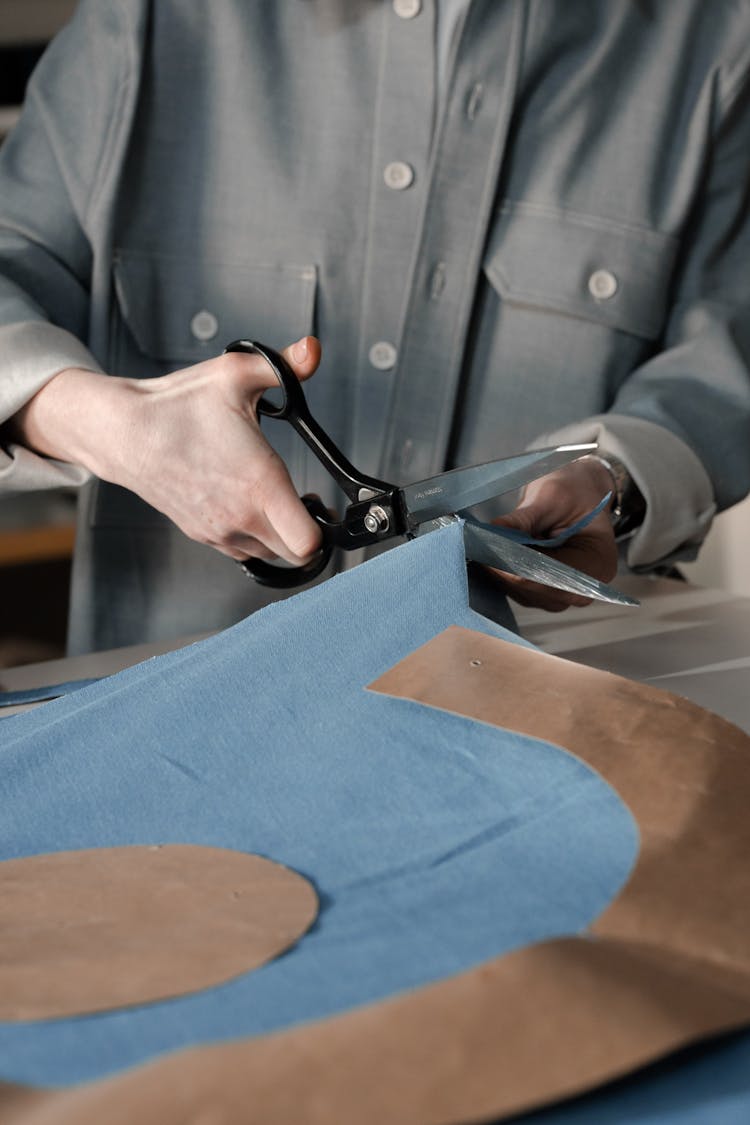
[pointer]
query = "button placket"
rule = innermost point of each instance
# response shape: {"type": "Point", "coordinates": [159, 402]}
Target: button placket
{"type": "Point", "coordinates": [401, 148]}
{"type": "Point", "coordinates": [455, 223]}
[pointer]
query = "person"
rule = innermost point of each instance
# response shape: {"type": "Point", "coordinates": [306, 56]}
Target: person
{"type": "Point", "coordinates": [508, 224]}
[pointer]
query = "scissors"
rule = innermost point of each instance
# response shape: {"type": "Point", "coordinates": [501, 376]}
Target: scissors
{"type": "Point", "coordinates": [378, 511]}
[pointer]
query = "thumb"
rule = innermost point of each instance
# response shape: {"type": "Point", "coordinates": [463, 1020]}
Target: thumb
{"type": "Point", "coordinates": [522, 519]}
{"type": "Point", "coordinates": [303, 357]}
{"type": "Point", "coordinates": [254, 374]}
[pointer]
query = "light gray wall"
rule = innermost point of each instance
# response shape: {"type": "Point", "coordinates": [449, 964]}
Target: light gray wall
{"type": "Point", "coordinates": [724, 560]}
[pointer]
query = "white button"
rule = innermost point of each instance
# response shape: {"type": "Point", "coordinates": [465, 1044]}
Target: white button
{"type": "Point", "coordinates": [383, 355]}
{"type": "Point", "coordinates": [407, 9]}
{"type": "Point", "coordinates": [204, 325]}
{"type": "Point", "coordinates": [602, 285]}
{"type": "Point", "coordinates": [398, 175]}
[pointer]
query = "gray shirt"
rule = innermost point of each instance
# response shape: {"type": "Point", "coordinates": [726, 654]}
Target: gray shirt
{"type": "Point", "coordinates": [549, 242]}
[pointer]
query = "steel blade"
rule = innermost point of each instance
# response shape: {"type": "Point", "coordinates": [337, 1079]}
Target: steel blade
{"type": "Point", "coordinates": [492, 548]}
{"type": "Point", "coordinates": [461, 488]}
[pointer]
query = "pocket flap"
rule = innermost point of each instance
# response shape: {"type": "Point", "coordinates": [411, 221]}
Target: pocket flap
{"type": "Point", "coordinates": [584, 266]}
{"type": "Point", "coordinates": [178, 308]}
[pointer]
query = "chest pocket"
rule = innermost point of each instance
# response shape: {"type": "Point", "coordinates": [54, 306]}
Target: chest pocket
{"type": "Point", "coordinates": [572, 306]}
{"type": "Point", "coordinates": [171, 312]}
{"type": "Point", "coordinates": [178, 311]}
{"type": "Point", "coordinates": [615, 275]}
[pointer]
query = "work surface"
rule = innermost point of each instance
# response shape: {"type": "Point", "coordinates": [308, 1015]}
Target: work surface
{"type": "Point", "coordinates": [685, 639]}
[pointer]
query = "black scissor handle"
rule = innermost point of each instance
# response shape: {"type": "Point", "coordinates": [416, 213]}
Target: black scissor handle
{"type": "Point", "coordinates": [293, 404]}
{"type": "Point", "coordinates": [361, 526]}
{"type": "Point", "coordinates": [294, 409]}
{"type": "Point", "coordinates": [288, 577]}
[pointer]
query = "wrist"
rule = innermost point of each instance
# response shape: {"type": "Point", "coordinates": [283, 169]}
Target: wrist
{"type": "Point", "coordinates": [628, 507]}
{"type": "Point", "coordinates": [78, 417]}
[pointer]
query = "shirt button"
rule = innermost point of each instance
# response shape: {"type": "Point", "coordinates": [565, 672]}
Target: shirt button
{"type": "Point", "coordinates": [603, 284]}
{"type": "Point", "coordinates": [383, 355]}
{"type": "Point", "coordinates": [398, 175]}
{"type": "Point", "coordinates": [407, 9]}
{"type": "Point", "coordinates": [204, 325]}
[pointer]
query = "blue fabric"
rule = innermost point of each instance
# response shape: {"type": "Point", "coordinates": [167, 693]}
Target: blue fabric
{"type": "Point", "coordinates": [434, 842]}
{"type": "Point", "coordinates": [40, 694]}
{"type": "Point", "coordinates": [53, 691]}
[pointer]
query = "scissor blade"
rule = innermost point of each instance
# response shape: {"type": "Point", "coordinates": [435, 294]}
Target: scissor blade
{"type": "Point", "coordinates": [491, 548]}
{"type": "Point", "coordinates": [460, 488]}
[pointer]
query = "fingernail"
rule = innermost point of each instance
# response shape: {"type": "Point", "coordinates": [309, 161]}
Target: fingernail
{"type": "Point", "coordinates": [299, 351]}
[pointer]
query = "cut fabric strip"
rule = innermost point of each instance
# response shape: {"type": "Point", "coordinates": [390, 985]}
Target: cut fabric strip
{"type": "Point", "coordinates": [42, 694]}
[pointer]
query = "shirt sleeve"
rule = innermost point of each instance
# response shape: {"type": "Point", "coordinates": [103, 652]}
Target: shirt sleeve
{"type": "Point", "coordinates": [51, 169]}
{"type": "Point", "coordinates": [681, 421]}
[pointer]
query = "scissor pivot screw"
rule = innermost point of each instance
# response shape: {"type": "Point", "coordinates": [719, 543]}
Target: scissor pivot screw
{"type": "Point", "coordinates": [377, 519]}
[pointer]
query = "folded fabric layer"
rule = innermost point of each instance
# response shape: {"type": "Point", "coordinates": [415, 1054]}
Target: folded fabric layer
{"type": "Point", "coordinates": [434, 842]}
{"type": "Point", "coordinates": [41, 694]}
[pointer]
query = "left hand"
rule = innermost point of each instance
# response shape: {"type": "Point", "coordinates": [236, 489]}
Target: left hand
{"type": "Point", "coordinates": [551, 504]}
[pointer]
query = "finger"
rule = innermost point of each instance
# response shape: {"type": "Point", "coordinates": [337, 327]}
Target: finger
{"type": "Point", "coordinates": [286, 532]}
{"type": "Point", "coordinates": [264, 516]}
{"type": "Point", "coordinates": [540, 521]}
{"type": "Point", "coordinates": [536, 595]}
{"type": "Point", "coordinates": [293, 533]}
{"type": "Point", "coordinates": [268, 542]}
{"type": "Point", "coordinates": [256, 374]}
{"type": "Point", "coordinates": [244, 548]}
{"type": "Point", "coordinates": [303, 356]}
{"type": "Point", "coordinates": [276, 516]}
{"type": "Point", "coordinates": [595, 554]}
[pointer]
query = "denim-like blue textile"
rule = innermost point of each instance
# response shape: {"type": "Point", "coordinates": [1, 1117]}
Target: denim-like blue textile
{"type": "Point", "coordinates": [40, 694]}
{"type": "Point", "coordinates": [52, 691]}
{"type": "Point", "coordinates": [435, 842]}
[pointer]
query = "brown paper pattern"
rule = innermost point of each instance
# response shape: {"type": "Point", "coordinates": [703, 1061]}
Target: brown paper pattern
{"type": "Point", "coordinates": [666, 964]}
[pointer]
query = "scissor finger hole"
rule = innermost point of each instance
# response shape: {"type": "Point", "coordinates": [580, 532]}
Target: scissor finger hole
{"type": "Point", "coordinates": [274, 400]}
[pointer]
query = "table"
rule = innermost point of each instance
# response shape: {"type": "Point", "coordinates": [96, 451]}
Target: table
{"type": "Point", "coordinates": [80, 668]}
{"type": "Point", "coordinates": [690, 640]}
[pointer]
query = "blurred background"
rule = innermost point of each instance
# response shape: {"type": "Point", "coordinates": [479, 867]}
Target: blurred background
{"type": "Point", "coordinates": [36, 531]}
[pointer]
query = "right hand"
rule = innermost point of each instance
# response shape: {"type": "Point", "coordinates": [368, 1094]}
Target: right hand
{"type": "Point", "coordinates": [549, 505]}
{"type": "Point", "coordinates": [189, 444]}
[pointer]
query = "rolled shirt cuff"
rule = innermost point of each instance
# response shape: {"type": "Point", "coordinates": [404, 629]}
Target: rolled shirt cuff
{"type": "Point", "coordinates": [31, 353]}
